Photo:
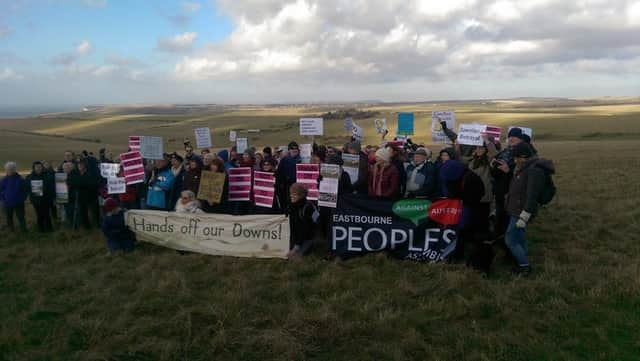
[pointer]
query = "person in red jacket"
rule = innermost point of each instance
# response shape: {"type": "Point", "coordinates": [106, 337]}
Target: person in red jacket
{"type": "Point", "coordinates": [384, 178]}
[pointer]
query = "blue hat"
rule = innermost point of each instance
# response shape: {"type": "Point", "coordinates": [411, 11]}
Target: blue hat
{"type": "Point", "coordinates": [452, 170]}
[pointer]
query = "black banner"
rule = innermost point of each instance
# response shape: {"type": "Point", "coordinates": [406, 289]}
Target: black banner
{"type": "Point", "coordinates": [361, 225]}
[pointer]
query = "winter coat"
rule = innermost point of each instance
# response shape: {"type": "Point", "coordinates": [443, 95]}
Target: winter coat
{"type": "Point", "coordinates": [159, 188]}
{"type": "Point", "coordinates": [401, 173]}
{"type": "Point", "coordinates": [526, 185]}
{"type": "Point", "coordinates": [360, 185]}
{"type": "Point", "coordinates": [13, 191]}
{"type": "Point", "coordinates": [286, 173]}
{"type": "Point", "coordinates": [48, 188]}
{"type": "Point", "coordinates": [191, 207]}
{"type": "Point", "coordinates": [191, 180]}
{"type": "Point", "coordinates": [425, 178]}
{"type": "Point", "coordinates": [384, 180]}
{"type": "Point", "coordinates": [301, 223]}
{"type": "Point", "coordinates": [83, 188]}
{"type": "Point", "coordinates": [117, 232]}
{"type": "Point", "coordinates": [483, 170]}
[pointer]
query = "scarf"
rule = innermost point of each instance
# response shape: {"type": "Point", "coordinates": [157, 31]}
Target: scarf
{"type": "Point", "coordinates": [411, 184]}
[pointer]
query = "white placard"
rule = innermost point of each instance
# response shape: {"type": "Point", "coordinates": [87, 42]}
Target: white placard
{"type": "Point", "coordinates": [109, 170]}
{"type": "Point", "coordinates": [527, 131]}
{"type": "Point", "coordinates": [470, 134]}
{"type": "Point", "coordinates": [305, 152]}
{"type": "Point", "coordinates": [151, 147]}
{"type": "Point", "coordinates": [203, 138]}
{"type": "Point", "coordinates": [37, 187]}
{"type": "Point", "coordinates": [233, 135]}
{"type": "Point", "coordinates": [437, 134]}
{"type": "Point", "coordinates": [311, 126]}
{"type": "Point", "coordinates": [116, 185]}
{"type": "Point", "coordinates": [357, 132]}
{"type": "Point", "coordinates": [241, 145]}
{"type": "Point", "coordinates": [381, 125]}
{"type": "Point", "coordinates": [348, 124]}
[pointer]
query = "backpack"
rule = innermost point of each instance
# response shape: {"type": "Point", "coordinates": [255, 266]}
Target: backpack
{"type": "Point", "coordinates": [548, 190]}
{"type": "Point", "coordinates": [315, 216]}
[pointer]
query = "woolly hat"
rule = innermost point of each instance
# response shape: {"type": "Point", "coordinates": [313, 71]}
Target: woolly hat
{"type": "Point", "coordinates": [293, 145]}
{"type": "Point", "coordinates": [383, 154]}
{"type": "Point", "coordinates": [452, 170]}
{"type": "Point", "coordinates": [110, 204]}
{"type": "Point", "coordinates": [423, 151]}
{"type": "Point", "coordinates": [516, 132]}
{"type": "Point", "coordinates": [522, 150]}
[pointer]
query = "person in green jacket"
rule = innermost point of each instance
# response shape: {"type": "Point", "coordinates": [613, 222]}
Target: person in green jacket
{"type": "Point", "coordinates": [41, 189]}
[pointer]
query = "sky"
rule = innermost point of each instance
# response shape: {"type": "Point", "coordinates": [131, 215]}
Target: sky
{"type": "Point", "coordinates": [56, 52]}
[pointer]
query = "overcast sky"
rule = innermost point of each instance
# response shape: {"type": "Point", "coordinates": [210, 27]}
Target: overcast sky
{"type": "Point", "coordinates": [263, 51]}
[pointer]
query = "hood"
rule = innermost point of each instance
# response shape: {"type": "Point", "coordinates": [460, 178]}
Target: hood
{"type": "Point", "coordinates": [224, 155]}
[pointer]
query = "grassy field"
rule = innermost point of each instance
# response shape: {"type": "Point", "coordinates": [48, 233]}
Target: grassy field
{"type": "Point", "coordinates": [63, 299]}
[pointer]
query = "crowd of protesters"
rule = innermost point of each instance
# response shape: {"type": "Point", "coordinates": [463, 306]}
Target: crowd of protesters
{"type": "Point", "coordinates": [500, 187]}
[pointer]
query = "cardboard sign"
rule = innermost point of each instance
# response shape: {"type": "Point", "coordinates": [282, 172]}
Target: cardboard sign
{"type": "Point", "coordinates": [37, 187]}
{"type": "Point", "coordinates": [203, 138]}
{"type": "Point", "coordinates": [307, 175]}
{"type": "Point", "coordinates": [351, 165]}
{"type": "Point", "coordinates": [493, 131]}
{"type": "Point", "coordinates": [241, 145]}
{"type": "Point", "coordinates": [405, 123]}
{"type": "Point", "coordinates": [348, 124]}
{"type": "Point", "coordinates": [357, 132]}
{"type": "Point", "coordinates": [437, 134]}
{"type": "Point", "coordinates": [264, 189]}
{"type": "Point", "coordinates": [311, 126]}
{"type": "Point", "coordinates": [133, 167]}
{"type": "Point", "coordinates": [470, 134]}
{"type": "Point", "coordinates": [109, 170]}
{"type": "Point", "coordinates": [116, 185]}
{"type": "Point", "coordinates": [527, 131]}
{"type": "Point", "coordinates": [134, 142]}
{"type": "Point", "coordinates": [232, 135]}
{"type": "Point", "coordinates": [211, 186]}
{"type": "Point", "coordinates": [62, 190]}
{"type": "Point", "coordinates": [151, 147]}
{"type": "Point", "coordinates": [381, 125]}
{"type": "Point", "coordinates": [240, 184]}
{"type": "Point", "coordinates": [328, 189]}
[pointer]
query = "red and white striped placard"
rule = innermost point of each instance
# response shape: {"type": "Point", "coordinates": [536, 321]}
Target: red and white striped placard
{"type": "Point", "coordinates": [307, 175]}
{"type": "Point", "coordinates": [240, 184]}
{"type": "Point", "coordinates": [134, 142]}
{"type": "Point", "coordinates": [495, 132]}
{"type": "Point", "coordinates": [264, 188]}
{"type": "Point", "coordinates": [133, 168]}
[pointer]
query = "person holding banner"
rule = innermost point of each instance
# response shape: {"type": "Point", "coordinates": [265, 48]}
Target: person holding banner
{"type": "Point", "coordinates": [41, 189]}
{"type": "Point", "coordinates": [119, 236]}
{"type": "Point", "coordinates": [360, 185]}
{"type": "Point", "coordinates": [13, 194]}
{"type": "Point", "coordinates": [384, 178]}
{"type": "Point", "coordinates": [301, 213]}
{"type": "Point", "coordinates": [421, 176]}
{"type": "Point", "coordinates": [160, 184]}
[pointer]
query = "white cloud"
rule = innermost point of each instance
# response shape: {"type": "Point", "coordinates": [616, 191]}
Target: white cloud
{"type": "Point", "coordinates": [190, 7]}
{"type": "Point", "coordinates": [9, 74]}
{"type": "Point", "coordinates": [633, 13]}
{"type": "Point", "coordinates": [176, 44]}
{"type": "Point", "coordinates": [83, 48]}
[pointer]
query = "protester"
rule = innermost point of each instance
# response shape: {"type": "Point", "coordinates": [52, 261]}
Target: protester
{"type": "Point", "coordinates": [525, 189]}
{"type": "Point", "coordinates": [360, 185]}
{"type": "Point", "coordinates": [13, 194]}
{"type": "Point", "coordinates": [190, 155]}
{"type": "Point", "coordinates": [224, 156]}
{"type": "Point", "coordinates": [248, 159]}
{"type": "Point", "coordinates": [188, 203]}
{"type": "Point", "coordinates": [384, 178]}
{"type": "Point", "coordinates": [69, 157]}
{"type": "Point", "coordinates": [397, 159]}
{"type": "Point", "coordinates": [50, 172]}
{"type": "Point", "coordinates": [479, 164]}
{"type": "Point", "coordinates": [178, 170]}
{"type": "Point", "coordinates": [218, 166]}
{"type": "Point", "coordinates": [41, 188]}
{"type": "Point", "coordinates": [286, 173]}
{"type": "Point", "coordinates": [207, 158]}
{"type": "Point", "coordinates": [421, 176]}
{"type": "Point", "coordinates": [83, 195]}
{"type": "Point", "coordinates": [160, 184]}
{"type": "Point", "coordinates": [69, 207]}
{"type": "Point", "coordinates": [191, 179]}
{"type": "Point", "coordinates": [119, 236]}
{"type": "Point", "coordinates": [301, 214]}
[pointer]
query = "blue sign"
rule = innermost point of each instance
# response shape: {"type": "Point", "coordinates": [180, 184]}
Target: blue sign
{"type": "Point", "coordinates": [405, 123]}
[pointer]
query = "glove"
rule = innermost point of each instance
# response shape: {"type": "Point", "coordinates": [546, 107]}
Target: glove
{"type": "Point", "coordinates": [523, 220]}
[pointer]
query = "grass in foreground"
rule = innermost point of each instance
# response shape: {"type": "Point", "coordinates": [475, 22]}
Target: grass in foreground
{"type": "Point", "coordinates": [62, 299]}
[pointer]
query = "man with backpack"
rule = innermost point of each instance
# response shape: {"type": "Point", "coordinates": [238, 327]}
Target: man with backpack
{"type": "Point", "coordinates": [530, 186]}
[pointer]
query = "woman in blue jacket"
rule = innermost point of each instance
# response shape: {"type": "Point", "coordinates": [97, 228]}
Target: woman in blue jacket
{"type": "Point", "coordinates": [13, 195]}
{"type": "Point", "coordinates": [160, 184]}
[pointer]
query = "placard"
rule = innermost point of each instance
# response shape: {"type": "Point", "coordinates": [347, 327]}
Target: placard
{"type": "Point", "coordinates": [203, 138]}
{"type": "Point", "coordinates": [305, 152]}
{"type": "Point", "coordinates": [471, 134]}
{"type": "Point", "coordinates": [133, 167]}
{"type": "Point", "coordinates": [493, 131]}
{"type": "Point", "coordinates": [357, 132]}
{"type": "Point", "coordinates": [151, 147]}
{"type": "Point", "coordinates": [116, 185]}
{"type": "Point", "coordinates": [405, 123]}
{"type": "Point", "coordinates": [62, 190]}
{"type": "Point", "coordinates": [351, 165]}
{"type": "Point", "coordinates": [348, 124]}
{"type": "Point", "coordinates": [134, 142]}
{"type": "Point", "coordinates": [211, 186]}
{"type": "Point", "coordinates": [437, 134]}
{"type": "Point", "coordinates": [232, 135]}
{"type": "Point", "coordinates": [239, 184]}
{"type": "Point", "coordinates": [311, 126]}
{"type": "Point", "coordinates": [328, 189]}
{"type": "Point", "coordinates": [380, 125]}
{"type": "Point", "coordinates": [307, 175]}
{"type": "Point", "coordinates": [37, 187]}
{"type": "Point", "coordinates": [264, 189]}
{"type": "Point", "coordinates": [109, 170]}
{"type": "Point", "coordinates": [241, 145]}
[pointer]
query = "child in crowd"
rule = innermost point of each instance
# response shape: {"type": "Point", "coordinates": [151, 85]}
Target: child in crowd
{"type": "Point", "coordinates": [119, 236]}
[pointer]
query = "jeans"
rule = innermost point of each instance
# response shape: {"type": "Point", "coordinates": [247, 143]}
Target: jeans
{"type": "Point", "coordinates": [18, 210]}
{"type": "Point", "coordinates": [514, 238]}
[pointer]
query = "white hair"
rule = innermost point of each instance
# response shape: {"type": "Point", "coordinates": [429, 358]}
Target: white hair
{"type": "Point", "coordinates": [189, 194]}
{"type": "Point", "coordinates": [10, 166]}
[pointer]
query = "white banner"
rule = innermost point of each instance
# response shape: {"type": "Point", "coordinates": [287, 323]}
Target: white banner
{"type": "Point", "coordinates": [311, 126]}
{"type": "Point", "coordinates": [203, 138]}
{"type": "Point", "coordinates": [262, 236]}
{"type": "Point", "coordinates": [470, 134]}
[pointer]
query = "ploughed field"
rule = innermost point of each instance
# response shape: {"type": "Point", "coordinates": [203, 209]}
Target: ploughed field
{"type": "Point", "coordinates": [62, 298]}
